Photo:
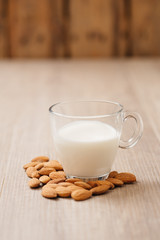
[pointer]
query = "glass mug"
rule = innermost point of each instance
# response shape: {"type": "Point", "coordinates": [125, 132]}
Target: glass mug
{"type": "Point", "coordinates": [87, 135]}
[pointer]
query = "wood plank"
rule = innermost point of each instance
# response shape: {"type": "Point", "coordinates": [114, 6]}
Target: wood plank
{"type": "Point", "coordinates": [145, 27]}
{"type": "Point", "coordinates": [56, 33]}
{"type": "Point", "coordinates": [4, 30]}
{"type": "Point", "coordinates": [67, 28]}
{"type": "Point", "coordinates": [35, 29]}
{"type": "Point", "coordinates": [26, 92]}
{"type": "Point", "coordinates": [122, 28]}
{"type": "Point", "coordinates": [91, 24]}
{"type": "Point", "coordinates": [156, 21]}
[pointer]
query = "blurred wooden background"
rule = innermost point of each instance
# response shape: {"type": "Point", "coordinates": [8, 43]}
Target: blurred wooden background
{"type": "Point", "coordinates": [79, 28]}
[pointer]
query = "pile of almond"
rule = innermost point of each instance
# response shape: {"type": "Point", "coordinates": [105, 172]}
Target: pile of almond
{"type": "Point", "coordinates": [50, 176]}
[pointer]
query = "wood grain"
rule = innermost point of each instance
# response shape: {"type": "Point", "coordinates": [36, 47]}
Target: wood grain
{"type": "Point", "coordinates": [122, 28]}
{"type": "Point", "coordinates": [4, 30]}
{"type": "Point", "coordinates": [145, 32]}
{"type": "Point", "coordinates": [81, 28]}
{"type": "Point", "coordinates": [34, 28]}
{"type": "Point", "coordinates": [91, 28]}
{"type": "Point", "coordinates": [27, 89]}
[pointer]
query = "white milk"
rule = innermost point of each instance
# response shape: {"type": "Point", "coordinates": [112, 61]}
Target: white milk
{"type": "Point", "coordinates": [86, 148]}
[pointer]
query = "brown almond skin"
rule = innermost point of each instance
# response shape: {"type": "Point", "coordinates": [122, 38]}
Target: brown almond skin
{"type": "Point", "coordinates": [51, 182]}
{"type": "Point", "coordinates": [63, 191]}
{"type": "Point", "coordinates": [40, 159]}
{"type": "Point", "coordinates": [81, 194]}
{"type": "Point", "coordinates": [57, 180]}
{"type": "Point", "coordinates": [65, 184]}
{"type": "Point", "coordinates": [126, 177]}
{"type": "Point", "coordinates": [46, 171]}
{"type": "Point", "coordinates": [52, 185]}
{"type": "Point", "coordinates": [113, 174]}
{"type": "Point", "coordinates": [30, 164]}
{"type": "Point", "coordinates": [29, 171]}
{"type": "Point", "coordinates": [115, 181]}
{"type": "Point", "coordinates": [35, 174]}
{"type": "Point", "coordinates": [55, 175]}
{"type": "Point", "coordinates": [111, 184]}
{"type": "Point", "coordinates": [73, 180]}
{"type": "Point", "coordinates": [92, 183]}
{"type": "Point", "coordinates": [34, 183]}
{"type": "Point", "coordinates": [44, 179]}
{"type": "Point", "coordinates": [100, 189]}
{"type": "Point", "coordinates": [105, 182]}
{"type": "Point", "coordinates": [39, 166]}
{"type": "Point", "coordinates": [49, 192]}
{"type": "Point", "coordinates": [83, 185]}
{"type": "Point", "coordinates": [73, 188]}
{"type": "Point", "coordinates": [54, 164]}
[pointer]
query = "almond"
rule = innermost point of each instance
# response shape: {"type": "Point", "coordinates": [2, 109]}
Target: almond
{"type": "Point", "coordinates": [46, 171]}
{"type": "Point", "coordinates": [49, 192]}
{"type": "Point", "coordinates": [111, 184]}
{"type": "Point", "coordinates": [31, 164]}
{"type": "Point", "coordinates": [49, 164]}
{"type": "Point", "coordinates": [105, 182]}
{"type": "Point", "coordinates": [55, 164]}
{"type": "Point", "coordinates": [57, 180]}
{"type": "Point", "coordinates": [73, 180]}
{"type": "Point", "coordinates": [63, 191]}
{"type": "Point", "coordinates": [35, 174]}
{"type": "Point", "coordinates": [40, 159]}
{"type": "Point", "coordinates": [39, 166]}
{"type": "Point", "coordinates": [100, 189]}
{"type": "Point", "coordinates": [44, 179]}
{"type": "Point", "coordinates": [81, 194]}
{"type": "Point", "coordinates": [29, 171]}
{"type": "Point", "coordinates": [92, 183]}
{"type": "Point", "coordinates": [83, 185]}
{"type": "Point", "coordinates": [74, 187]}
{"type": "Point", "coordinates": [55, 175]}
{"type": "Point", "coordinates": [113, 174]}
{"type": "Point", "coordinates": [51, 182]}
{"type": "Point", "coordinates": [33, 183]}
{"type": "Point", "coordinates": [52, 185]}
{"type": "Point", "coordinates": [126, 177]}
{"type": "Point", "coordinates": [65, 184]}
{"type": "Point", "coordinates": [115, 181]}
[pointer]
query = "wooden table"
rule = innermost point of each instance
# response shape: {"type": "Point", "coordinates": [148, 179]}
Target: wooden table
{"type": "Point", "coordinates": [27, 89]}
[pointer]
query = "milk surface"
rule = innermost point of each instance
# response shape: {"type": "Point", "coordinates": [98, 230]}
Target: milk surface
{"type": "Point", "coordinates": [86, 148]}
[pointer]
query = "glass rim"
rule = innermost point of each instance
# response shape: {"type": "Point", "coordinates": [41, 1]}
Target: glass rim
{"type": "Point", "coordinates": [51, 109]}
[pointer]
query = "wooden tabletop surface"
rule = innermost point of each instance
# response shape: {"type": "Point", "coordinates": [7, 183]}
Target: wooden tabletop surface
{"type": "Point", "coordinates": [27, 89]}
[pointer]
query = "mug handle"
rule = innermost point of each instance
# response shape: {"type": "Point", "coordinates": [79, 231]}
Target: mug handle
{"type": "Point", "coordinates": [137, 132]}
